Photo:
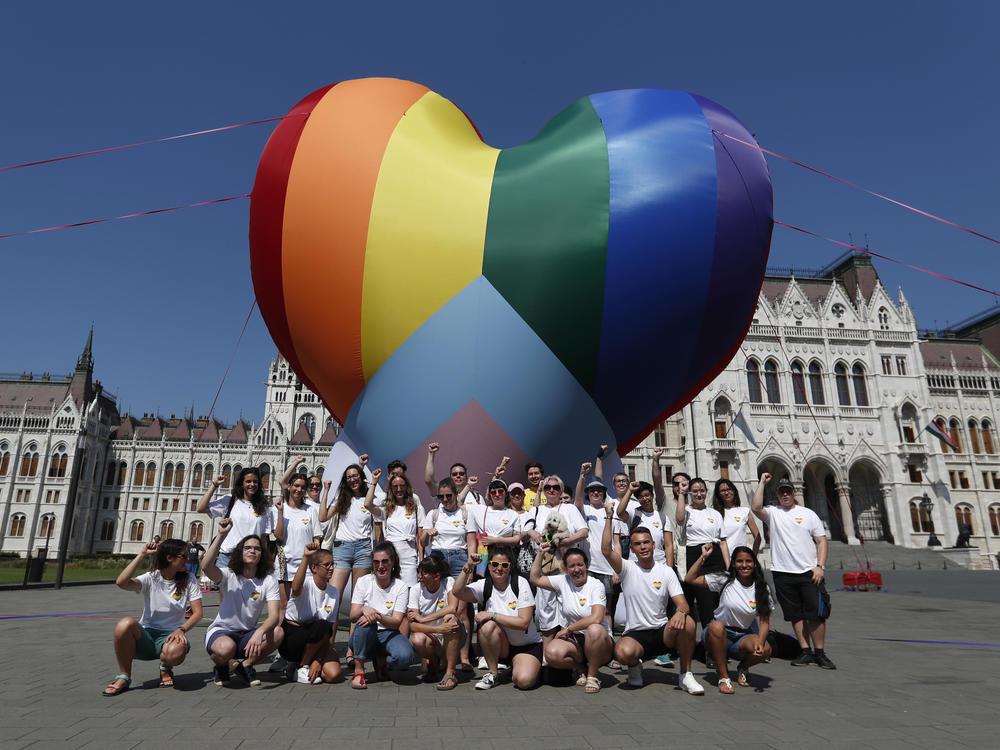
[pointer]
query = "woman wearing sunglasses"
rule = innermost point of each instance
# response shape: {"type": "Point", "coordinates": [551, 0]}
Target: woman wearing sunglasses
{"type": "Point", "coordinates": [497, 522]}
{"type": "Point", "coordinates": [435, 631]}
{"type": "Point", "coordinates": [505, 619]}
{"type": "Point", "coordinates": [584, 642]}
{"type": "Point", "coordinates": [378, 608]}
{"type": "Point", "coordinates": [311, 620]}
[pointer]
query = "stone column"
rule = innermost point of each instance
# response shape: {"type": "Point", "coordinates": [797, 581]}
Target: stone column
{"type": "Point", "coordinates": [846, 517]}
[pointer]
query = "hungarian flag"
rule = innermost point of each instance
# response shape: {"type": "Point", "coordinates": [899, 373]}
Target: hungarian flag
{"type": "Point", "coordinates": [938, 431]}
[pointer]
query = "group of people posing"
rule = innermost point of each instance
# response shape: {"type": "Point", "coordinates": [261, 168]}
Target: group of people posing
{"type": "Point", "coordinates": [537, 573]}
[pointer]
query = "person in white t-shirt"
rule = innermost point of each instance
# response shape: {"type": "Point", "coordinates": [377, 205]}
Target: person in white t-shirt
{"type": "Point", "coordinates": [643, 513]}
{"type": "Point", "coordinates": [647, 586]}
{"type": "Point", "coordinates": [234, 640]}
{"type": "Point", "coordinates": [701, 525]}
{"type": "Point", "coordinates": [435, 630]}
{"type": "Point", "coordinates": [400, 519]}
{"type": "Point", "coordinates": [798, 566]}
{"type": "Point", "coordinates": [737, 519]}
{"type": "Point", "coordinates": [378, 610]}
{"type": "Point", "coordinates": [505, 619]}
{"type": "Point", "coordinates": [592, 510]}
{"type": "Point", "coordinates": [584, 642]}
{"type": "Point", "coordinates": [534, 524]}
{"type": "Point", "coordinates": [161, 631]}
{"type": "Point", "coordinates": [302, 526]}
{"type": "Point", "coordinates": [496, 522]}
{"type": "Point", "coordinates": [741, 622]}
{"type": "Point", "coordinates": [458, 473]}
{"type": "Point", "coordinates": [310, 623]}
{"type": "Point", "coordinates": [246, 507]}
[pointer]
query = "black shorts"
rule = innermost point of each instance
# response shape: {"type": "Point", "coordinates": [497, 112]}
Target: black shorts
{"type": "Point", "coordinates": [800, 598]}
{"type": "Point", "coordinates": [535, 649]}
{"type": "Point", "coordinates": [651, 641]}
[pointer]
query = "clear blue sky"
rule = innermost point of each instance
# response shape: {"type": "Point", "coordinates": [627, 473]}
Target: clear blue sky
{"type": "Point", "coordinates": [897, 96]}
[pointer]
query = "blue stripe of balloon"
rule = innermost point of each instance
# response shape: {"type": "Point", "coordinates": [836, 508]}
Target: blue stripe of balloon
{"type": "Point", "coordinates": [742, 236]}
{"type": "Point", "coordinates": [477, 347]}
{"type": "Point", "coordinates": [661, 237]}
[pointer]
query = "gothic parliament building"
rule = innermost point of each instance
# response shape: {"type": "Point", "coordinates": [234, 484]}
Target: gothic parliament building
{"type": "Point", "coordinates": [834, 380]}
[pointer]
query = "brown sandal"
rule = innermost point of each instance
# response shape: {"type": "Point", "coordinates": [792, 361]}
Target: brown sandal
{"type": "Point", "coordinates": [448, 682]}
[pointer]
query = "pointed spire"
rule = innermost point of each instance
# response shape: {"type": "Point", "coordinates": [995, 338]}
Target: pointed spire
{"type": "Point", "coordinates": [86, 361]}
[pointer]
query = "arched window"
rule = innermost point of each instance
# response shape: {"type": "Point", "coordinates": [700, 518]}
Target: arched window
{"type": "Point", "coordinates": [227, 474]}
{"type": "Point", "coordinates": [57, 464]}
{"type": "Point", "coordinates": [265, 476]}
{"type": "Point", "coordinates": [209, 474]}
{"type": "Point", "coordinates": [919, 518]}
{"type": "Point", "coordinates": [995, 520]}
{"type": "Point", "coordinates": [136, 531]}
{"type": "Point", "coordinates": [196, 476]}
{"type": "Point", "coordinates": [109, 478]}
{"type": "Point", "coordinates": [816, 383]}
{"type": "Point", "coordinates": [987, 438]}
{"type": "Point", "coordinates": [29, 461]}
{"type": "Point", "coordinates": [179, 475]}
{"type": "Point", "coordinates": [753, 381]}
{"type": "Point", "coordinates": [236, 470]}
{"type": "Point", "coordinates": [167, 530]}
{"type": "Point", "coordinates": [48, 526]}
{"type": "Point", "coordinates": [17, 524]}
{"type": "Point", "coordinates": [883, 319]}
{"type": "Point", "coordinates": [197, 529]}
{"type": "Point", "coordinates": [310, 422]}
{"type": "Point", "coordinates": [4, 461]}
{"type": "Point", "coordinates": [954, 430]}
{"type": "Point", "coordinates": [108, 530]}
{"type": "Point", "coordinates": [320, 470]}
{"type": "Point", "coordinates": [140, 474]}
{"type": "Point", "coordinates": [974, 436]}
{"type": "Point", "coordinates": [122, 472]}
{"type": "Point", "coordinates": [168, 475]}
{"type": "Point", "coordinates": [860, 389]}
{"type": "Point", "coordinates": [963, 514]}
{"type": "Point", "coordinates": [150, 474]}
{"type": "Point", "coordinates": [799, 383]}
{"type": "Point", "coordinates": [843, 392]}
{"type": "Point", "coordinates": [771, 382]}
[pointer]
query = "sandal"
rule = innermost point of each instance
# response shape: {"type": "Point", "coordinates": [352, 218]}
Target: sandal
{"type": "Point", "coordinates": [448, 682]}
{"type": "Point", "coordinates": [465, 667]}
{"type": "Point", "coordinates": [358, 682]}
{"type": "Point", "coordinates": [111, 690]}
{"type": "Point", "coordinates": [166, 676]}
{"type": "Point", "coordinates": [581, 681]}
{"type": "Point", "coordinates": [742, 677]}
{"type": "Point", "coordinates": [593, 685]}
{"type": "Point", "coordinates": [726, 686]}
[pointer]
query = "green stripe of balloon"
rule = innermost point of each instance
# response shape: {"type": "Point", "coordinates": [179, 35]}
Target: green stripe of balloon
{"type": "Point", "coordinates": [547, 236]}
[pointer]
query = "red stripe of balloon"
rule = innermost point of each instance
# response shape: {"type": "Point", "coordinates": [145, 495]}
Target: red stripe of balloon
{"type": "Point", "coordinates": [208, 419]}
{"type": "Point", "coordinates": [886, 257]}
{"type": "Point", "coordinates": [142, 143]}
{"type": "Point", "coordinates": [126, 216]}
{"type": "Point", "coordinates": [859, 187]}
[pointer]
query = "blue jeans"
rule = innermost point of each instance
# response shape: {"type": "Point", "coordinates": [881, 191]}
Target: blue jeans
{"type": "Point", "coordinates": [368, 642]}
{"type": "Point", "coordinates": [456, 558]}
{"type": "Point", "coordinates": [192, 568]}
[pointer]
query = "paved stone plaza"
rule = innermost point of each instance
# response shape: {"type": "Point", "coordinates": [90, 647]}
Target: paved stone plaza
{"type": "Point", "coordinates": [912, 692]}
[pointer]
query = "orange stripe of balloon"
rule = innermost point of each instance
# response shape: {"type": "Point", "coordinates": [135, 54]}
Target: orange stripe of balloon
{"type": "Point", "coordinates": [327, 208]}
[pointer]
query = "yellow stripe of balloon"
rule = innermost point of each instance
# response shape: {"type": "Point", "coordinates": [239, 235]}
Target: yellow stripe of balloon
{"type": "Point", "coordinates": [428, 224]}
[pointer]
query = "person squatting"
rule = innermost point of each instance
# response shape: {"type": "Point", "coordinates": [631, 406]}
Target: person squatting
{"type": "Point", "coordinates": [531, 578]}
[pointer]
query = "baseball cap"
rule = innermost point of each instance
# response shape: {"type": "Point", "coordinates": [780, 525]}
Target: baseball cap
{"type": "Point", "coordinates": [515, 486]}
{"type": "Point", "coordinates": [596, 483]}
{"type": "Point", "coordinates": [786, 482]}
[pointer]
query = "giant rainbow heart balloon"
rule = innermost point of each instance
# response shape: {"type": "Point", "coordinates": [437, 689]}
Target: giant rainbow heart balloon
{"type": "Point", "coordinates": [534, 301]}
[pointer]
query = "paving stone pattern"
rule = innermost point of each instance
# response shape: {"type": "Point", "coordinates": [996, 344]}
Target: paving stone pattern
{"type": "Point", "coordinates": [885, 693]}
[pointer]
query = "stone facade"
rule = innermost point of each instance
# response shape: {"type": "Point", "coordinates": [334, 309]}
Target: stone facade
{"type": "Point", "coordinates": [834, 379]}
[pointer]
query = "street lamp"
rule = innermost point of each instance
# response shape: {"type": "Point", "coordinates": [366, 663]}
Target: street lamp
{"type": "Point", "coordinates": [928, 505]}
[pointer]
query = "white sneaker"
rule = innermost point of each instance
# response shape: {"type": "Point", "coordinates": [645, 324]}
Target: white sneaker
{"type": "Point", "coordinates": [635, 675]}
{"type": "Point", "coordinates": [481, 665]}
{"type": "Point", "coordinates": [302, 675]}
{"type": "Point", "coordinates": [278, 665]}
{"type": "Point", "coordinates": [488, 681]}
{"type": "Point", "coordinates": [690, 685]}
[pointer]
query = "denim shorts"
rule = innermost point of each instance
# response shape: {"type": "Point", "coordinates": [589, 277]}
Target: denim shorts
{"type": "Point", "coordinates": [353, 554]}
{"type": "Point", "coordinates": [734, 638]}
{"type": "Point", "coordinates": [456, 558]}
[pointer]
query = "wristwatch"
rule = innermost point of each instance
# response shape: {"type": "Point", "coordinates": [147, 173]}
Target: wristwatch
{"type": "Point", "coordinates": [821, 567]}
{"type": "Point", "coordinates": [182, 628]}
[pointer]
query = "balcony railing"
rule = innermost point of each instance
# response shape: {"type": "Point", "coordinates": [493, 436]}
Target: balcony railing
{"type": "Point", "coordinates": [723, 444]}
